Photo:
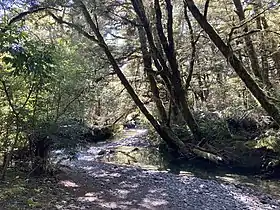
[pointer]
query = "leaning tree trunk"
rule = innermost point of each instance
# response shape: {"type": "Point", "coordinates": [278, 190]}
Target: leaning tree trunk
{"type": "Point", "coordinates": [237, 65]}
{"type": "Point", "coordinates": [165, 133]}
{"type": "Point", "coordinates": [169, 49]}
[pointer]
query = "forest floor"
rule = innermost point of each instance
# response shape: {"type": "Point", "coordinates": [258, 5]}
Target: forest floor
{"type": "Point", "coordinates": [90, 184]}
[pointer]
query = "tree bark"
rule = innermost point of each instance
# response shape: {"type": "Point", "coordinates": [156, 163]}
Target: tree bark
{"type": "Point", "coordinates": [169, 50]}
{"type": "Point", "coordinates": [193, 42]}
{"type": "Point", "coordinates": [248, 42]}
{"type": "Point", "coordinates": [147, 60]}
{"type": "Point", "coordinates": [176, 77]}
{"type": "Point", "coordinates": [237, 65]}
{"type": "Point", "coordinates": [165, 133]}
{"type": "Point", "coordinates": [264, 55]}
{"type": "Point", "coordinates": [263, 47]}
{"type": "Point", "coordinates": [275, 53]}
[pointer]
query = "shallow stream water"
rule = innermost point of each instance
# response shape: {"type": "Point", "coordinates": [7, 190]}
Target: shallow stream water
{"type": "Point", "coordinates": [135, 147]}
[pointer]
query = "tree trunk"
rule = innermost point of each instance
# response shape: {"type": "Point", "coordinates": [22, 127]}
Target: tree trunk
{"type": "Point", "coordinates": [274, 51]}
{"type": "Point", "coordinates": [147, 60]}
{"type": "Point", "coordinates": [40, 148]}
{"type": "Point", "coordinates": [264, 57]}
{"type": "Point", "coordinates": [248, 41]}
{"type": "Point", "coordinates": [263, 48]}
{"type": "Point", "coordinates": [237, 65]}
{"type": "Point", "coordinates": [169, 50]}
{"type": "Point", "coordinates": [8, 158]}
{"type": "Point", "coordinates": [165, 133]}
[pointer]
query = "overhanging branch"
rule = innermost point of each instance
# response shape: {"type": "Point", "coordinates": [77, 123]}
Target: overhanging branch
{"type": "Point", "coordinates": [74, 26]}
{"type": "Point", "coordinates": [21, 15]}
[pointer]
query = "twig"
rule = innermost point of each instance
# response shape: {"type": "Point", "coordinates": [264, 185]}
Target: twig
{"type": "Point", "coordinates": [246, 34]}
{"type": "Point", "coordinates": [206, 6]}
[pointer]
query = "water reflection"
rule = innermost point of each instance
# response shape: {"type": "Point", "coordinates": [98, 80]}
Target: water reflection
{"type": "Point", "coordinates": [138, 156]}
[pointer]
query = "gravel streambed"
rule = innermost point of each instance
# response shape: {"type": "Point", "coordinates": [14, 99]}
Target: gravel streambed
{"type": "Point", "coordinates": [108, 186]}
{"type": "Point", "coordinates": [100, 185]}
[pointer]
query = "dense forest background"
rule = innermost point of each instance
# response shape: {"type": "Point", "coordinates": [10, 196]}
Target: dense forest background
{"type": "Point", "coordinates": [204, 75]}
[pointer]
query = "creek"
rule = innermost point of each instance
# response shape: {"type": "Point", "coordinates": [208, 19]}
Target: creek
{"type": "Point", "coordinates": [137, 148]}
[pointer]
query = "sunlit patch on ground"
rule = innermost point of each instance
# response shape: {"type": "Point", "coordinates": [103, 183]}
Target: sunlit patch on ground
{"type": "Point", "coordinates": [122, 193]}
{"type": "Point", "coordinates": [87, 157]}
{"type": "Point", "coordinates": [151, 203]}
{"type": "Point", "coordinates": [126, 184]}
{"type": "Point", "coordinates": [186, 173]}
{"type": "Point", "coordinates": [68, 183]}
{"type": "Point", "coordinates": [89, 197]}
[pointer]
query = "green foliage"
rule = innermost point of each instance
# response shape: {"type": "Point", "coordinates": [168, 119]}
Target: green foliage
{"type": "Point", "coordinates": [42, 85]}
{"type": "Point", "coordinates": [213, 125]}
{"type": "Point", "coordinates": [50, 74]}
{"type": "Point", "coordinates": [269, 140]}
{"type": "Point", "coordinates": [22, 192]}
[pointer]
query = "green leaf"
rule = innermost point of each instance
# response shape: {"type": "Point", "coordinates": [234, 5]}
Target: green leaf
{"type": "Point", "coordinates": [32, 203]}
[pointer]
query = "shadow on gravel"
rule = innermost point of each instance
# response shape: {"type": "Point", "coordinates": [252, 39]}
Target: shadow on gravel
{"type": "Point", "coordinates": [108, 189]}
{"type": "Point", "coordinates": [104, 186]}
{"type": "Point", "coordinates": [91, 184]}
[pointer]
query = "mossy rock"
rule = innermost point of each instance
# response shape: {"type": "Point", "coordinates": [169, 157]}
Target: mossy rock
{"type": "Point", "coordinates": [98, 134]}
{"type": "Point", "coordinates": [270, 142]}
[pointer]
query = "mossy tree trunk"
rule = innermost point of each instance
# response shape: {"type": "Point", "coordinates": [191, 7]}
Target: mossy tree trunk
{"type": "Point", "coordinates": [147, 61]}
{"type": "Point", "coordinates": [170, 69]}
{"type": "Point", "coordinates": [236, 64]}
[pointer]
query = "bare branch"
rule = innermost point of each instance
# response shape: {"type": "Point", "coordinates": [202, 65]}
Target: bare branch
{"type": "Point", "coordinates": [16, 113]}
{"type": "Point", "coordinates": [74, 26]}
{"type": "Point", "coordinates": [132, 22]}
{"type": "Point", "coordinates": [29, 95]}
{"type": "Point", "coordinates": [9, 98]}
{"type": "Point", "coordinates": [206, 6]}
{"type": "Point", "coordinates": [246, 34]}
{"type": "Point", "coordinates": [23, 14]}
{"type": "Point", "coordinates": [69, 103]}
